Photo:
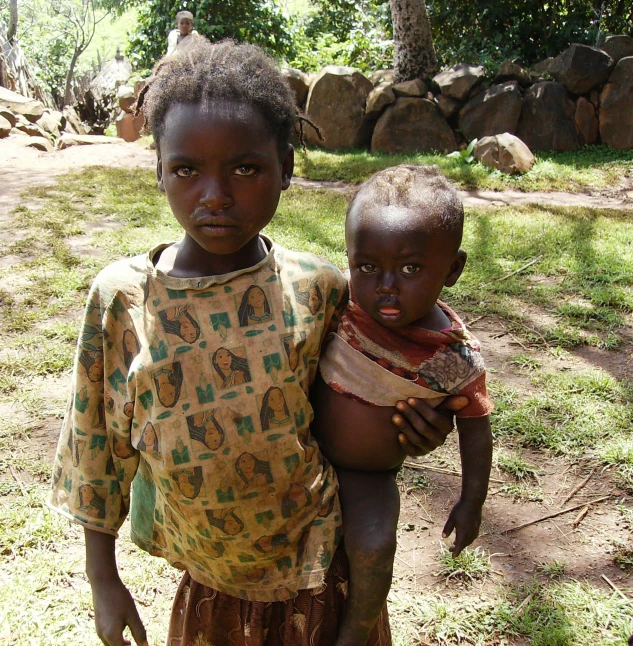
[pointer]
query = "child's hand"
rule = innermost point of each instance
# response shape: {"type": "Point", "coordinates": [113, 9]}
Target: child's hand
{"type": "Point", "coordinates": [465, 519]}
{"type": "Point", "coordinates": [423, 428]}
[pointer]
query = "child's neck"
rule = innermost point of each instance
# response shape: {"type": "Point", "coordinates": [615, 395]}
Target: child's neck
{"type": "Point", "coordinates": [186, 259]}
{"type": "Point", "coordinates": [436, 320]}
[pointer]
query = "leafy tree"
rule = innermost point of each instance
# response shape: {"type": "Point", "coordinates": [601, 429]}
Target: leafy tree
{"type": "Point", "coordinates": [255, 21]}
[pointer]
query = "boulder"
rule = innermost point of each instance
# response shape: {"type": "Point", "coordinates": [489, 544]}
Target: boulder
{"type": "Point", "coordinates": [505, 153]}
{"type": "Point", "coordinates": [5, 127]}
{"type": "Point", "coordinates": [298, 82]}
{"type": "Point", "coordinates": [511, 71]}
{"type": "Point", "coordinates": [416, 87]}
{"type": "Point", "coordinates": [586, 121]}
{"type": "Point", "coordinates": [459, 80]}
{"type": "Point", "coordinates": [411, 125]}
{"type": "Point", "coordinates": [52, 122]}
{"type": "Point", "coordinates": [379, 98]}
{"type": "Point", "coordinates": [543, 67]}
{"type": "Point", "coordinates": [580, 68]}
{"type": "Point", "coordinates": [39, 143]}
{"type": "Point", "coordinates": [547, 120]}
{"type": "Point", "coordinates": [492, 111]}
{"type": "Point", "coordinates": [30, 129]}
{"type": "Point", "coordinates": [336, 103]}
{"type": "Point", "coordinates": [5, 113]}
{"type": "Point", "coordinates": [382, 76]}
{"type": "Point", "coordinates": [447, 105]}
{"type": "Point", "coordinates": [616, 107]}
{"type": "Point", "coordinates": [67, 140]}
{"type": "Point", "coordinates": [19, 104]}
{"type": "Point", "coordinates": [128, 127]}
{"type": "Point", "coordinates": [618, 47]}
{"type": "Point", "coordinates": [125, 97]}
{"type": "Point", "coordinates": [74, 125]}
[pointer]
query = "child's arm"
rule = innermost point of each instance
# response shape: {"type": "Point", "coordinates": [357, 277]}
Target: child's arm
{"type": "Point", "coordinates": [475, 448]}
{"type": "Point", "coordinates": [113, 603]}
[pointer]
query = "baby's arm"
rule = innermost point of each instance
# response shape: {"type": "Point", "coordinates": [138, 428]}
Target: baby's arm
{"type": "Point", "coordinates": [113, 604]}
{"type": "Point", "coordinates": [475, 447]}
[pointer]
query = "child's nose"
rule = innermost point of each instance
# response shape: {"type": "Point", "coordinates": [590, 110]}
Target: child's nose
{"type": "Point", "coordinates": [216, 195]}
{"type": "Point", "coordinates": [387, 284]}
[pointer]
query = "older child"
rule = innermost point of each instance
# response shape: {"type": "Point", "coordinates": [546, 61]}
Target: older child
{"type": "Point", "coordinates": [183, 36]}
{"type": "Point", "coordinates": [228, 482]}
{"type": "Point", "coordinates": [396, 340]}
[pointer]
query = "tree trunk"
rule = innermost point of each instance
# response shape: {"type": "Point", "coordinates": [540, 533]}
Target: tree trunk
{"type": "Point", "coordinates": [413, 43]}
{"type": "Point", "coordinates": [13, 20]}
{"type": "Point", "coordinates": [68, 92]}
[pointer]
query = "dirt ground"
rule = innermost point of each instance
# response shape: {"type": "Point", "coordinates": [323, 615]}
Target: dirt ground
{"type": "Point", "coordinates": [585, 549]}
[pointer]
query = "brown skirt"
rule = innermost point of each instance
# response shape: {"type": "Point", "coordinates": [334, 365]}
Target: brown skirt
{"type": "Point", "coordinates": [202, 616]}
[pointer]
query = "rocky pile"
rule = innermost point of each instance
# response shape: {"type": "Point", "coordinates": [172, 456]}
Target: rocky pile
{"type": "Point", "coordinates": [583, 96]}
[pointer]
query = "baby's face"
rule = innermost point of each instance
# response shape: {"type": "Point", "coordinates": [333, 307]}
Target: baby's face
{"type": "Point", "coordinates": [185, 26]}
{"type": "Point", "coordinates": [399, 264]}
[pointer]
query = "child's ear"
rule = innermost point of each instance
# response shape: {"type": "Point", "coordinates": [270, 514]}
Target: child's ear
{"type": "Point", "coordinates": [159, 174]}
{"type": "Point", "coordinates": [287, 167]}
{"type": "Point", "coordinates": [457, 266]}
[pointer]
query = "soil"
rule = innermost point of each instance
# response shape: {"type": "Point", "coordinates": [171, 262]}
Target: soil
{"type": "Point", "coordinates": [427, 494]}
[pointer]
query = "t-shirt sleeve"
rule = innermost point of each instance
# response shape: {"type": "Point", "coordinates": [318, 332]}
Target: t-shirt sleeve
{"type": "Point", "coordinates": [337, 300]}
{"type": "Point", "coordinates": [480, 404]}
{"type": "Point", "coordinates": [95, 461]}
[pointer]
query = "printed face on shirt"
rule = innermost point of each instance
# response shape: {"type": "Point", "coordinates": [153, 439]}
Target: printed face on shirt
{"type": "Point", "coordinates": [399, 262]}
{"type": "Point", "coordinates": [223, 173]}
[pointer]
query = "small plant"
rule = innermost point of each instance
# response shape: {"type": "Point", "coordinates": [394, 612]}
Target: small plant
{"type": "Point", "coordinates": [552, 569]}
{"type": "Point", "coordinates": [465, 155]}
{"type": "Point", "coordinates": [516, 466]}
{"type": "Point", "coordinates": [526, 362]}
{"type": "Point", "coordinates": [623, 556]}
{"type": "Point", "coordinates": [627, 516]}
{"type": "Point", "coordinates": [523, 492]}
{"type": "Point", "coordinates": [470, 566]}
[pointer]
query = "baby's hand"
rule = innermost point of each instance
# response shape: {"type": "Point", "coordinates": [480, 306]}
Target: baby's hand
{"type": "Point", "coordinates": [465, 519]}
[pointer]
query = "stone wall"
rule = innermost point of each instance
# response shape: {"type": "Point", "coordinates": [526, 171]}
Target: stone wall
{"type": "Point", "coordinates": [583, 96]}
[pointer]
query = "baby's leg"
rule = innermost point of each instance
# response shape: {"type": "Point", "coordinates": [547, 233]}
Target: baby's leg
{"type": "Point", "coordinates": [371, 506]}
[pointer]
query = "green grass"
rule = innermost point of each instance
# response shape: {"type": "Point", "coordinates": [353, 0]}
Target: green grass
{"type": "Point", "coordinates": [595, 166]}
{"type": "Point", "coordinates": [522, 491]}
{"type": "Point", "coordinates": [473, 564]}
{"type": "Point", "coordinates": [516, 466]}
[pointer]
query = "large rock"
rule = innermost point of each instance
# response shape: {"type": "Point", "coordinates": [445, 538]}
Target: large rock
{"type": "Point", "coordinates": [447, 105]}
{"type": "Point", "coordinates": [618, 47]}
{"type": "Point", "coordinates": [379, 98]}
{"type": "Point", "coordinates": [19, 104]}
{"type": "Point", "coordinates": [586, 121]}
{"type": "Point", "coordinates": [31, 129]}
{"type": "Point", "coordinates": [459, 80]}
{"type": "Point", "coordinates": [128, 127]}
{"type": "Point", "coordinates": [581, 68]}
{"type": "Point", "coordinates": [74, 125]}
{"type": "Point", "coordinates": [336, 103]}
{"type": "Point", "coordinates": [492, 111]}
{"type": "Point", "coordinates": [411, 125]}
{"type": "Point", "coordinates": [547, 120]}
{"type": "Point", "coordinates": [511, 71]}
{"type": "Point", "coordinates": [5, 127]}
{"type": "Point", "coordinates": [298, 82]}
{"type": "Point", "coordinates": [5, 113]}
{"type": "Point", "coordinates": [616, 107]}
{"type": "Point", "coordinates": [382, 76]}
{"type": "Point", "coordinates": [125, 97]}
{"type": "Point", "coordinates": [39, 143]}
{"type": "Point", "coordinates": [416, 87]}
{"type": "Point", "coordinates": [67, 140]}
{"type": "Point", "coordinates": [505, 153]}
{"type": "Point", "coordinates": [52, 121]}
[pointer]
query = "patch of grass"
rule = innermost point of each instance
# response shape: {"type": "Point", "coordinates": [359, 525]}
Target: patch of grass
{"type": "Point", "coordinates": [526, 362]}
{"type": "Point", "coordinates": [623, 556]}
{"type": "Point", "coordinates": [619, 454]}
{"type": "Point", "coordinates": [516, 466]}
{"type": "Point", "coordinates": [470, 566]}
{"type": "Point", "coordinates": [552, 569]}
{"type": "Point", "coordinates": [590, 166]}
{"type": "Point", "coordinates": [627, 516]}
{"type": "Point", "coordinates": [522, 491]}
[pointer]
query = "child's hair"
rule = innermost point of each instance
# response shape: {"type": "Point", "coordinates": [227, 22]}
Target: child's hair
{"type": "Point", "coordinates": [415, 187]}
{"type": "Point", "coordinates": [224, 71]}
{"type": "Point", "coordinates": [184, 14]}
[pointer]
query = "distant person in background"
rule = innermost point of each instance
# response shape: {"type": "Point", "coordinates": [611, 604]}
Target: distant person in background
{"type": "Point", "coordinates": [183, 36]}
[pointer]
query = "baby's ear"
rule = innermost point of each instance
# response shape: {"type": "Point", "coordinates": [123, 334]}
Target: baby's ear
{"type": "Point", "coordinates": [457, 266]}
{"type": "Point", "coordinates": [159, 174]}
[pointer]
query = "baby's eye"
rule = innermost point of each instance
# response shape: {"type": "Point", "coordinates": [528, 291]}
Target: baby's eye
{"type": "Point", "coordinates": [185, 171]}
{"type": "Point", "coordinates": [367, 268]}
{"type": "Point", "coordinates": [408, 270]}
{"type": "Point", "coordinates": [245, 171]}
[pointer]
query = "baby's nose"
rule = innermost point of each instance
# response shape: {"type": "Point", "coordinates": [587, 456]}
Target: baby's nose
{"type": "Point", "coordinates": [216, 195]}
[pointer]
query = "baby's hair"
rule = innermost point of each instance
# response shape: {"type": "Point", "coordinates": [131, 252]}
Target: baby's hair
{"type": "Point", "coordinates": [222, 71]}
{"type": "Point", "coordinates": [415, 187]}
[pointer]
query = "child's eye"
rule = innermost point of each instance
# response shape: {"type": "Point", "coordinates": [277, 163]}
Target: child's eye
{"type": "Point", "coordinates": [185, 171]}
{"type": "Point", "coordinates": [245, 171]}
{"type": "Point", "coordinates": [408, 270]}
{"type": "Point", "coordinates": [367, 268]}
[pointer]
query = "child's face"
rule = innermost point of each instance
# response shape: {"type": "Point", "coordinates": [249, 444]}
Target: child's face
{"type": "Point", "coordinates": [399, 264]}
{"type": "Point", "coordinates": [222, 172]}
{"type": "Point", "coordinates": [185, 26]}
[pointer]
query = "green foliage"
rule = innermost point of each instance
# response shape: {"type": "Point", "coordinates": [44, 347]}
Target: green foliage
{"type": "Point", "coordinates": [261, 22]}
{"type": "Point", "coordinates": [480, 31]}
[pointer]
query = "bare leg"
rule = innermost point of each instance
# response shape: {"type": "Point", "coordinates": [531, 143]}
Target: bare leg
{"type": "Point", "coordinates": [371, 507]}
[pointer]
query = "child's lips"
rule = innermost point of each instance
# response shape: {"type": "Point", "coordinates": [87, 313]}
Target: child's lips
{"type": "Point", "coordinates": [390, 312]}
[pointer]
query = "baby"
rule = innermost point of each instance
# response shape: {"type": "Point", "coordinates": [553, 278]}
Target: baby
{"type": "Point", "coordinates": [183, 36]}
{"type": "Point", "coordinates": [395, 341]}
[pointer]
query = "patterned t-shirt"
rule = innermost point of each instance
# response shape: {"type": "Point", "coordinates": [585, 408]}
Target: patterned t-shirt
{"type": "Point", "coordinates": [193, 394]}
